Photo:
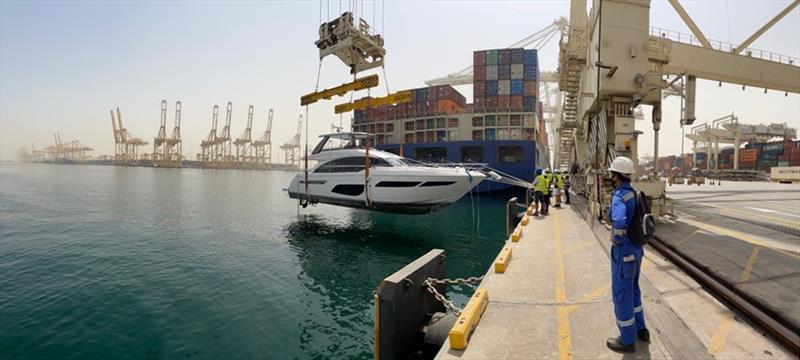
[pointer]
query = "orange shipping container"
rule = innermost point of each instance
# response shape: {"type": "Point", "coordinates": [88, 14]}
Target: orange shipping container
{"type": "Point", "coordinates": [448, 106]}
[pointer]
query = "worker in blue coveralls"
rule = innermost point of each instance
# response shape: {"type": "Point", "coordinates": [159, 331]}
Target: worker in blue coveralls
{"type": "Point", "coordinates": [626, 261]}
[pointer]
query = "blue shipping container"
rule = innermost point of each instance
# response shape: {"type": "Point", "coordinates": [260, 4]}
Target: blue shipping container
{"type": "Point", "coordinates": [701, 156]}
{"type": "Point", "coordinates": [530, 57]}
{"type": "Point", "coordinates": [421, 95]}
{"type": "Point", "coordinates": [516, 87]}
{"type": "Point", "coordinates": [489, 134]}
{"type": "Point", "coordinates": [528, 101]}
{"type": "Point", "coordinates": [491, 88]}
{"type": "Point", "coordinates": [517, 56]}
{"type": "Point", "coordinates": [530, 72]}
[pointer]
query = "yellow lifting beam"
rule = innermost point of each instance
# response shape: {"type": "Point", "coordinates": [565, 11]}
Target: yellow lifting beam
{"type": "Point", "coordinates": [359, 84]}
{"type": "Point", "coordinates": [395, 98]}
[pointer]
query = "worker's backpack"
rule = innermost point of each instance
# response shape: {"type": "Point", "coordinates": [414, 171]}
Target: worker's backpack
{"type": "Point", "coordinates": [643, 226]}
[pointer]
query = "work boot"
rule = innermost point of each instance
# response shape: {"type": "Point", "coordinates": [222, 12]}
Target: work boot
{"type": "Point", "coordinates": [617, 345]}
{"type": "Point", "coordinates": [644, 335]}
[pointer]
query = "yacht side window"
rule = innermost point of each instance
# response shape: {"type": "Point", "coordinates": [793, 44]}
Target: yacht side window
{"type": "Point", "coordinates": [350, 164]}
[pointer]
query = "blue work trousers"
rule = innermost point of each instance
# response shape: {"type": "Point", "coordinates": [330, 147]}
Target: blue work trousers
{"type": "Point", "coordinates": [626, 263]}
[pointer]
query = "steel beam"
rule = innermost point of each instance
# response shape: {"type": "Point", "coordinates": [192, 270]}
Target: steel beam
{"type": "Point", "coordinates": [690, 23]}
{"type": "Point", "coordinates": [395, 98]}
{"type": "Point", "coordinates": [359, 84]}
{"type": "Point", "coordinates": [766, 27]}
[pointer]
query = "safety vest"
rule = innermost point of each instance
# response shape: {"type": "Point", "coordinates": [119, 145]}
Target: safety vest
{"type": "Point", "coordinates": [542, 185]}
{"type": "Point", "coordinates": [549, 178]}
{"type": "Point", "coordinates": [559, 181]}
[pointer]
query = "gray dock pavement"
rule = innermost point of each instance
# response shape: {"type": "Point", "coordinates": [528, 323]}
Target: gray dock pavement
{"type": "Point", "coordinates": [554, 302]}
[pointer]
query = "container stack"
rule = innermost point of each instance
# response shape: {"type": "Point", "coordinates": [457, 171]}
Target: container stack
{"type": "Point", "coordinates": [748, 157]}
{"type": "Point", "coordinates": [434, 100]}
{"type": "Point", "coordinates": [505, 80]}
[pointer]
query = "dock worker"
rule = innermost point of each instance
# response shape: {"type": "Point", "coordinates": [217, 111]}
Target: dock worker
{"type": "Point", "coordinates": [549, 176]}
{"type": "Point", "coordinates": [540, 185]}
{"type": "Point", "coordinates": [558, 186]}
{"type": "Point", "coordinates": [626, 261]}
{"type": "Point", "coordinates": [566, 188]}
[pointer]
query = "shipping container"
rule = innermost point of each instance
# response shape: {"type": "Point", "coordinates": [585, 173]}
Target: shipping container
{"type": "Point", "coordinates": [491, 103]}
{"type": "Point", "coordinates": [517, 87]}
{"type": "Point", "coordinates": [529, 88]}
{"type": "Point", "coordinates": [447, 106]}
{"type": "Point", "coordinates": [503, 103]}
{"type": "Point", "coordinates": [479, 73]}
{"type": "Point", "coordinates": [530, 72]}
{"type": "Point", "coordinates": [504, 72]}
{"type": "Point", "coordinates": [503, 87]}
{"type": "Point", "coordinates": [402, 110]}
{"type": "Point", "coordinates": [420, 137]}
{"type": "Point", "coordinates": [479, 58]}
{"type": "Point", "coordinates": [516, 71]}
{"type": "Point", "coordinates": [516, 105]}
{"type": "Point", "coordinates": [491, 72]}
{"type": "Point", "coordinates": [528, 103]}
{"type": "Point", "coordinates": [491, 88]}
{"type": "Point", "coordinates": [490, 134]}
{"type": "Point", "coordinates": [491, 57]}
{"type": "Point", "coordinates": [478, 89]}
{"type": "Point", "coordinates": [517, 55]}
{"type": "Point", "coordinates": [479, 104]}
{"type": "Point", "coordinates": [504, 57]}
{"type": "Point", "coordinates": [530, 57]}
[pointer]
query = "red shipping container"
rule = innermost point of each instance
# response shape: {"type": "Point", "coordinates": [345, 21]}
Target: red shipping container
{"type": "Point", "coordinates": [479, 58]}
{"type": "Point", "coordinates": [431, 108]}
{"type": "Point", "coordinates": [504, 102]}
{"type": "Point", "coordinates": [409, 138]}
{"type": "Point", "coordinates": [478, 89]}
{"type": "Point", "coordinates": [795, 162]}
{"type": "Point", "coordinates": [392, 112]}
{"type": "Point", "coordinates": [479, 104]}
{"type": "Point", "coordinates": [411, 110]}
{"type": "Point", "coordinates": [447, 106]}
{"type": "Point", "coordinates": [491, 103]}
{"type": "Point", "coordinates": [430, 136]}
{"type": "Point", "coordinates": [516, 102]}
{"type": "Point", "coordinates": [433, 93]}
{"type": "Point", "coordinates": [479, 73]}
{"type": "Point", "coordinates": [529, 88]}
{"type": "Point", "coordinates": [402, 110]}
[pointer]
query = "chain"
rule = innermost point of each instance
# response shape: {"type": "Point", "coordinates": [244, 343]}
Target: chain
{"type": "Point", "coordinates": [430, 285]}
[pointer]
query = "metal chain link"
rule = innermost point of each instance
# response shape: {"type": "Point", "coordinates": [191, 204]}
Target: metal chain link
{"type": "Point", "coordinates": [430, 285]}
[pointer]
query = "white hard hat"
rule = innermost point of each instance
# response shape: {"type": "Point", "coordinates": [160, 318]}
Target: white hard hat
{"type": "Point", "coordinates": [622, 165]}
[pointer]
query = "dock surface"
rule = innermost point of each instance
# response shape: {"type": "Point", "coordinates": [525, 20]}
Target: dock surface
{"type": "Point", "coordinates": [554, 302]}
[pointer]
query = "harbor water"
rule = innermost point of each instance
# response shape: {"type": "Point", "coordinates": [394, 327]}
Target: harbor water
{"type": "Point", "coordinates": [143, 263]}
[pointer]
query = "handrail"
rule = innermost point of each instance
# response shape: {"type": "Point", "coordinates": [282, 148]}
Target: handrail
{"type": "Point", "coordinates": [723, 46]}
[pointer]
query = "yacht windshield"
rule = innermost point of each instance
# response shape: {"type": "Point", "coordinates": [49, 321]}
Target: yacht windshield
{"type": "Point", "coordinates": [340, 141]}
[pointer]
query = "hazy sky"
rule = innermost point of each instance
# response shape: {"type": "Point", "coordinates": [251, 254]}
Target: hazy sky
{"type": "Point", "coordinates": [64, 65]}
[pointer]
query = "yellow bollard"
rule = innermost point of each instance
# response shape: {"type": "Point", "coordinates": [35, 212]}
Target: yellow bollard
{"type": "Point", "coordinates": [501, 262]}
{"type": "Point", "coordinates": [468, 320]}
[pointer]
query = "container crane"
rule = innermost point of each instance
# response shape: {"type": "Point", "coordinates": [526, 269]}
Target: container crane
{"type": "Point", "coordinates": [127, 144]}
{"type": "Point", "coordinates": [209, 145]}
{"type": "Point", "coordinates": [263, 146]}
{"type": "Point", "coordinates": [223, 143]}
{"type": "Point", "coordinates": [244, 150]}
{"type": "Point", "coordinates": [161, 137]}
{"type": "Point", "coordinates": [292, 148]}
{"type": "Point", "coordinates": [173, 150]}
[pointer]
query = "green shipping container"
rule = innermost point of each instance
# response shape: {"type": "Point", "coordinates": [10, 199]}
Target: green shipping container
{"type": "Point", "coordinates": [491, 57]}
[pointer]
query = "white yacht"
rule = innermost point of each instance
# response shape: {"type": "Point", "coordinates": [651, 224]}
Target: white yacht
{"type": "Point", "coordinates": [393, 184]}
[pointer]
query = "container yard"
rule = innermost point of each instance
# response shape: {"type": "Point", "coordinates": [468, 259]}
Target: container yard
{"type": "Point", "coordinates": [589, 191]}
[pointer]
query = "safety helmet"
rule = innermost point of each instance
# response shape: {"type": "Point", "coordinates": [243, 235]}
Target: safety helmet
{"type": "Point", "coordinates": [622, 165]}
{"type": "Point", "coordinates": [538, 171]}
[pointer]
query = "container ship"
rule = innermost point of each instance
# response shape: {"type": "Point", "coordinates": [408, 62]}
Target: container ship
{"type": "Point", "coordinates": [753, 156]}
{"type": "Point", "coordinates": [503, 127]}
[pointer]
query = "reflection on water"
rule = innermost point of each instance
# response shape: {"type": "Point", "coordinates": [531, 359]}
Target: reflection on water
{"type": "Point", "coordinates": [127, 262]}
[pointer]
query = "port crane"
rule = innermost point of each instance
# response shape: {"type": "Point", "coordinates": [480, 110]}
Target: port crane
{"type": "Point", "coordinates": [173, 151]}
{"type": "Point", "coordinates": [161, 137]}
{"type": "Point", "coordinates": [223, 143]}
{"type": "Point", "coordinates": [126, 145]}
{"type": "Point", "coordinates": [244, 150]}
{"type": "Point", "coordinates": [208, 149]}
{"type": "Point", "coordinates": [611, 61]}
{"type": "Point", "coordinates": [292, 147]}
{"type": "Point", "coordinates": [263, 146]}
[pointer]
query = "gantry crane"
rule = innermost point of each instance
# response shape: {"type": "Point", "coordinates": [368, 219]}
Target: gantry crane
{"type": "Point", "coordinates": [173, 151]}
{"type": "Point", "coordinates": [161, 136]}
{"type": "Point", "coordinates": [126, 150]}
{"type": "Point", "coordinates": [613, 61]}
{"type": "Point", "coordinates": [292, 148]}
{"type": "Point", "coordinates": [263, 146]}
{"type": "Point", "coordinates": [209, 145]}
{"type": "Point", "coordinates": [223, 144]}
{"type": "Point", "coordinates": [244, 151]}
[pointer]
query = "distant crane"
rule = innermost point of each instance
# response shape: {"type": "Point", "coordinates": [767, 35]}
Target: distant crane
{"type": "Point", "coordinates": [173, 151]}
{"type": "Point", "coordinates": [244, 152]}
{"type": "Point", "coordinates": [161, 138]}
{"type": "Point", "coordinates": [209, 145]}
{"type": "Point", "coordinates": [126, 144]}
{"type": "Point", "coordinates": [223, 143]}
{"type": "Point", "coordinates": [292, 148]}
{"type": "Point", "coordinates": [263, 146]}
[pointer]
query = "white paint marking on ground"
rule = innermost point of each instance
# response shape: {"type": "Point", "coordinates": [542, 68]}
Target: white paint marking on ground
{"type": "Point", "coordinates": [773, 211]}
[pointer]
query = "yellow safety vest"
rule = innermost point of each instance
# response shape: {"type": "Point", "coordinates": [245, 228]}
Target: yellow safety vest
{"type": "Point", "coordinates": [560, 181]}
{"type": "Point", "coordinates": [542, 185]}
